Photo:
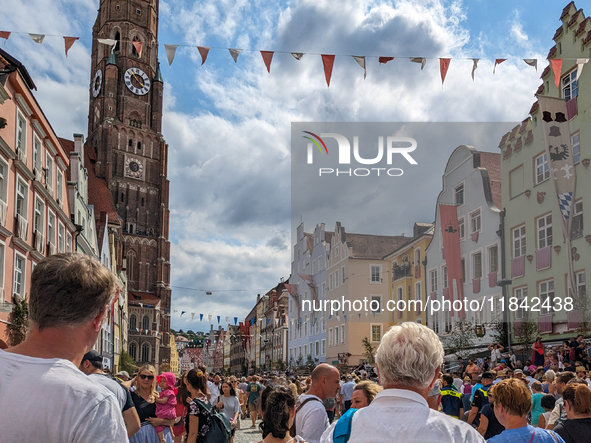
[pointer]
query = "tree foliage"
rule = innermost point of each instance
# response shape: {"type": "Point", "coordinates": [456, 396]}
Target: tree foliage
{"type": "Point", "coordinates": [16, 331]}
{"type": "Point", "coordinates": [500, 333]}
{"type": "Point", "coordinates": [127, 363]}
{"type": "Point", "coordinates": [526, 332]}
{"type": "Point", "coordinates": [368, 351]}
{"type": "Point", "coordinates": [461, 339]}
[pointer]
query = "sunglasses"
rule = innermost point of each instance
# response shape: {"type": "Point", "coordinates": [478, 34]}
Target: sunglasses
{"type": "Point", "coordinates": [144, 376]}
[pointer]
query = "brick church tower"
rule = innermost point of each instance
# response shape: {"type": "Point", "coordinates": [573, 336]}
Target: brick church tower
{"type": "Point", "coordinates": [124, 128]}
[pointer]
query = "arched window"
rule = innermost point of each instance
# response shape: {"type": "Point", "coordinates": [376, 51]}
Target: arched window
{"type": "Point", "coordinates": [145, 352]}
{"type": "Point", "coordinates": [118, 44]}
{"type": "Point", "coordinates": [122, 197]}
{"type": "Point", "coordinates": [142, 201]}
{"type": "Point", "coordinates": [132, 322]}
{"type": "Point", "coordinates": [146, 322]}
{"type": "Point", "coordinates": [133, 350]}
{"type": "Point", "coordinates": [133, 50]}
{"type": "Point", "coordinates": [130, 143]}
{"type": "Point", "coordinates": [139, 146]}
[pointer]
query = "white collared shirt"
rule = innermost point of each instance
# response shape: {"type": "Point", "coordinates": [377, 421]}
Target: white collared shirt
{"type": "Point", "coordinates": [311, 420]}
{"type": "Point", "coordinates": [399, 415]}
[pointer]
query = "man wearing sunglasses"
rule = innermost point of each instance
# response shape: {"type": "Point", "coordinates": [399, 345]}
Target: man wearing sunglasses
{"type": "Point", "coordinates": [69, 297]}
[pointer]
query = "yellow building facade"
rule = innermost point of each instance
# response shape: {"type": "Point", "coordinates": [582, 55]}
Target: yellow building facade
{"type": "Point", "coordinates": [174, 356]}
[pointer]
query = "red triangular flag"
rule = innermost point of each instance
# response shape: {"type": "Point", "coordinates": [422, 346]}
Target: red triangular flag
{"type": "Point", "coordinates": [443, 67]}
{"type": "Point", "coordinates": [4, 34]}
{"type": "Point", "coordinates": [267, 57]}
{"type": "Point", "coordinates": [385, 60]}
{"type": "Point", "coordinates": [69, 41]}
{"type": "Point", "coordinates": [203, 50]}
{"type": "Point", "coordinates": [327, 61]}
{"type": "Point", "coordinates": [498, 61]}
{"type": "Point", "coordinates": [557, 69]}
{"type": "Point", "coordinates": [138, 48]}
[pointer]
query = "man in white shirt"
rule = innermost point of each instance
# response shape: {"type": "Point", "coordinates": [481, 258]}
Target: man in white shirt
{"type": "Point", "coordinates": [408, 361]}
{"type": "Point", "coordinates": [495, 354]}
{"type": "Point", "coordinates": [69, 299]}
{"type": "Point", "coordinates": [311, 419]}
{"type": "Point", "coordinates": [214, 389]}
{"type": "Point", "coordinates": [347, 392]}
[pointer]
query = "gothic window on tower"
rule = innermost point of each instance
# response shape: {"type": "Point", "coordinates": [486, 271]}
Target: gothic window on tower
{"type": "Point", "coordinates": [133, 50]}
{"type": "Point", "coordinates": [139, 146]}
{"type": "Point", "coordinates": [118, 38]}
{"type": "Point", "coordinates": [130, 143]}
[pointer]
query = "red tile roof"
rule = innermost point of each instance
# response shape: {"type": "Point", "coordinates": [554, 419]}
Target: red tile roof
{"type": "Point", "coordinates": [143, 297]}
{"type": "Point", "coordinates": [558, 33]}
{"type": "Point", "coordinates": [582, 26]}
{"type": "Point", "coordinates": [374, 246]}
{"type": "Point", "coordinates": [529, 138]}
{"type": "Point", "coordinates": [566, 9]}
{"type": "Point", "coordinates": [504, 139]}
{"type": "Point", "coordinates": [551, 52]}
{"type": "Point", "coordinates": [587, 39]}
{"type": "Point", "coordinates": [534, 107]}
{"type": "Point", "coordinates": [518, 144]}
{"type": "Point", "coordinates": [514, 132]}
{"type": "Point", "coordinates": [492, 163]}
{"type": "Point", "coordinates": [545, 72]}
{"type": "Point", "coordinates": [524, 125]}
{"type": "Point", "coordinates": [574, 18]}
{"type": "Point", "coordinates": [540, 89]}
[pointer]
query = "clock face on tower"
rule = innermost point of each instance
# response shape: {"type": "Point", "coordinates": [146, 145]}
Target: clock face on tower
{"type": "Point", "coordinates": [137, 81]}
{"type": "Point", "coordinates": [97, 82]}
{"type": "Point", "coordinates": [134, 168]}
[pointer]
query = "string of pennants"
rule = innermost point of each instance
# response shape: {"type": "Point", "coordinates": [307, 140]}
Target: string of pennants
{"type": "Point", "coordinates": [209, 317]}
{"type": "Point", "coordinates": [327, 59]}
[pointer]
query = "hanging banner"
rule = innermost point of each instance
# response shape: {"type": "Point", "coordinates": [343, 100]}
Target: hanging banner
{"type": "Point", "coordinates": [557, 69]}
{"type": "Point", "coordinates": [37, 38]}
{"type": "Point", "coordinates": [453, 258]}
{"type": "Point", "coordinates": [562, 172]}
{"type": "Point", "coordinates": [385, 60]}
{"type": "Point", "coordinates": [4, 34]}
{"type": "Point", "coordinates": [421, 60]}
{"type": "Point", "coordinates": [170, 53]}
{"type": "Point", "coordinates": [138, 48]}
{"type": "Point", "coordinates": [297, 55]}
{"type": "Point", "coordinates": [203, 51]}
{"type": "Point", "coordinates": [580, 63]}
{"type": "Point", "coordinates": [267, 58]}
{"type": "Point", "coordinates": [474, 66]}
{"type": "Point", "coordinates": [235, 53]}
{"type": "Point", "coordinates": [443, 67]}
{"type": "Point", "coordinates": [69, 41]}
{"type": "Point", "coordinates": [531, 62]}
{"type": "Point", "coordinates": [361, 62]}
{"type": "Point", "coordinates": [498, 61]}
{"type": "Point", "coordinates": [328, 62]}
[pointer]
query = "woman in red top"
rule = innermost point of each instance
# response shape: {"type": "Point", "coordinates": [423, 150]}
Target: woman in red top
{"type": "Point", "coordinates": [182, 405]}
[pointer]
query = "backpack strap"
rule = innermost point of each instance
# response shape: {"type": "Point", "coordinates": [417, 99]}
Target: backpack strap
{"type": "Point", "coordinates": [292, 430]}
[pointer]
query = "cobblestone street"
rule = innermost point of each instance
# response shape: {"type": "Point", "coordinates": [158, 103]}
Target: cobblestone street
{"type": "Point", "coordinates": [247, 434]}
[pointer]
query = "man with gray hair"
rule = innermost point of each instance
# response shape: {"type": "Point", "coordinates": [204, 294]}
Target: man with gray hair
{"type": "Point", "coordinates": [69, 300]}
{"type": "Point", "coordinates": [408, 361]}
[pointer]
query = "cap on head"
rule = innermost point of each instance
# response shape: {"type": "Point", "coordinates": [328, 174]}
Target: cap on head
{"type": "Point", "coordinates": [487, 376]}
{"type": "Point", "coordinates": [93, 357]}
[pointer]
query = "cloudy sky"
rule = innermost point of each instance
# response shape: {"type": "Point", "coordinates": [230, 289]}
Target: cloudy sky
{"type": "Point", "coordinates": [228, 124]}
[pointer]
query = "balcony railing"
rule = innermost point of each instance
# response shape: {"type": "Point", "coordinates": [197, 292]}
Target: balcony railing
{"type": "Point", "coordinates": [404, 270]}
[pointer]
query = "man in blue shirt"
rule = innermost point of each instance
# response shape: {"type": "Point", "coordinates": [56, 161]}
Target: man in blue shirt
{"type": "Point", "coordinates": [451, 399]}
{"type": "Point", "coordinates": [347, 392]}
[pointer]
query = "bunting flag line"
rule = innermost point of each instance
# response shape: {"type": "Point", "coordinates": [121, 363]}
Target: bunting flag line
{"type": "Point", "coordinates": [297, 55]}
{"type": "Point", "coordinates": [37, 38]}
{"type": "Point", "coordinates": [200, 317]}
{"type": "Point", "coordinates": [4, 34]}
{"type": "Point", "coordinates": [557, 69]}
{"type": "Point", "coordinates": [531, 62]}
{"type": "Point", "coordinates": [267, 58]}
{"type": "Point", "coordinates": [170, 52]}
{"type": "Point", "coordinates": [175, 311]}
{"type": "Point", "coordinates": [474, 66]}
{"type": "Point", "coordinates": [385, 60]}
{"type": "Point", "coordinates": [69, 41]}
{"type": "Point", "coordinates": [235, 53]}
{"type": "Point", "coordinates": [421, 60]}
{"type": "Point", "coordinates": [203, 51]}
{"type": "Point", "coordinates": [361, 61]}
{"type": "Point", "coordinates": [192, 316]}
{"type": "Point", "coordinates": [209, 318]}
{"type": "Point", "coordinates": [498, 61]}
{"type": "Point", "coordinates": [182, 313]}
{"type": "Point", "coordinates": [218, 319]}
{"type": "Point", "coordinates": [580, 63]}
{"type": "Point", "coordinates": [138, 48]}
{"type": "Point", "coordinates": [328, 62]}
{"type": "Point", "coordinates": [443, 67]}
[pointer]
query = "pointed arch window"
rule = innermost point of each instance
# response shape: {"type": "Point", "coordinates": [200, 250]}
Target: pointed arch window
{"type": "Point", "coordinates": [118, 38]}
{"type": "Point", "coordinates": [132, 322]}
{"type": "Point", "coordinates": [145, 352]}
{"type": "Point", "coordinates": [133, 350]}
{"type": "Point", "coordinates": [146, 322]}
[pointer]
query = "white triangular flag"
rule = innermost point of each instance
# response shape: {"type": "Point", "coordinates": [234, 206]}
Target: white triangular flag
{"type": "Point", "coordinates": [37, 38]}
{"type": "Point", "coordinates": [297, 55]}
{"type": "Point", "coordinates": [531, 62]}
{"type": "Point", "coordinates": [108, 41]}
{"type": "Point", "coordinates": [227, 318]}
{"type": "Point", "coordinates": [421, 60]}
{"type": "Point", "coordinates": [209, 317]}
{"type": "Point", "coordinates": [235, 53]}
{"type": "Point", "coordinates": [361, 61]}
{"type": "Point", "coordinates": [580, 63]}
{"type": "Point", "coordinates": [170, 52]}
{"type": "Point", "coordinates": [474, 66]}
{"type": "Point", "coordinates": [192, 315]}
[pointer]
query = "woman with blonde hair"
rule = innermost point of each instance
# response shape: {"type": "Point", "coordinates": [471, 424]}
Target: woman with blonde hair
{"type": "Point", "coordinates": [363, 393]}
{"type": "Point", "coordinates": [144, 395]}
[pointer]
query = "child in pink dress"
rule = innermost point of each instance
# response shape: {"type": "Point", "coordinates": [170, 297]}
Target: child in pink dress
{"type": "Point", "coordinates": [165, 405]}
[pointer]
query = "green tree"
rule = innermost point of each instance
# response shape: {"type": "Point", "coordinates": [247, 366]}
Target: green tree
{"type": "Point", "coordinates": [127, 363]}
{"type": "Point", "coordinates": [368, 351]}
{"type": "Point", "coordinates": [461, 339]}
{"type": "Point", "coordinates": [310, 363]}
{"type": "Point", "coordinates": [500, 332]}
{"type": "Point", "coordinates": [526, 332]}
{"type": "Point", "coordinates": [16, 330]}
{"type": "Point", "coordinates": [300, 361]}
{"type": "Point", "coordinates": [280, 365]}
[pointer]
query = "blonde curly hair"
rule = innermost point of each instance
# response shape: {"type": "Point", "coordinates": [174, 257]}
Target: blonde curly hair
{"type": "Point", "coordinates": [147, 368]}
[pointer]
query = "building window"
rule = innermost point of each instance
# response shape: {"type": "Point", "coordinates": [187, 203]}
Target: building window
{"type": "Point", "coordinates": [418, 295]}
{"type": "Point", "coordinates": [343, 334]}
{"type": "Point", "coordinates": [521, 295]}
{"type": "Point", "coordinates": [435, 322]}
{"type": "Point", "coordinates": [542, 169]}
{"type": "Point", "coordinates": [518, 237]}
{"type": "Point", "coordinates": [48, 171]}
{"type": "Point", "coordinates": [146, 322]}
{"type": "Point", "coordinates": [493, 259]}
{"type": "Point", "coordinates": [461, 228]}
{"type": "Point", "coordinates": [36, 154]}
{"type": "Point", "coordinates": [342, 275]}
{"type": "Point", "coordinates": [22, 194]}
{"type": "Point", "coordinates": [577, 223]}
{"type": "Point", "coordinates": [313, 267]}
{"type": "Point", "coordinates": [570, 86]}
{"type": "Point", "coordinates": [2, 258]}
{"type": "Point", "coordinates": [376, 333]}
{"type": "Point", "coordinates": [3, 181]}
{"type": "Point", "coordinates": [546, 293]}
{"type": "Point", "coordinates": [399, 291]}
{"type": "Point", "coordinates": [317, 349]}
{"type": "Point", "coordinates": [579, 282]}
{"type": "Point", "coordinates": [68, 242]}
{"type": "Point", "coordinates": [376, 273]}
{"type": "Point", "coordinates": [544, 231]}
{"type": "Point", "coordinates": [336, 278]}
{"type": "Point", "coordinates": [376, 303]}
{"type": "Point", "coordinates": [323, 325]}
{"type": "Point", "coordinates": [323, 347]}
{"type": "Point", "coordinates": [575, 141]}
{"type": "Point", "coordinates": [475, 222]}
{"type": "Point", "coordinates": [336, 251]}
{"type": "Point", "coordinates": [60, 185]}
{"type": "Point", "coordinates": [38, 219]}
{"type": "Point", "coordinates": [433, 280]}
{"type": "Point", "coordinates": [330, 282]}
{"type": "Point", "coordinates": [463, 270]}
{"type": "Point", "coordinates": [21, 132]}
{"type": "Point", "coordinates": [132, 322]}
{"type": "Point", "coordinates": [51, 228]}
{"type": "Point", "coordinates": [145, 352]}
{"type": "Point", "coordinates": [61, 234]}
{"type": "Point", "coordinates": [444, 275]}
{"type": "Point", "coordinates": [477, 265]}
{"type": "Point", "coordinates": [19, 274]}
{"type": "Point", "coordinates": [133, 350]}
{"type": "Point", "coordinates": [329, 336]}
{"type": "Point", "coordinates": [447, 321]}
{"type": "Point", "coordinates": [459, 194]}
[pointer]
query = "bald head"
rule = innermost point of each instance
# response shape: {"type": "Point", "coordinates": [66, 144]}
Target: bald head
{"type": "Point", "coordinates": [323, 370]}
{"type": "Point", "coordinates": [325, 381]}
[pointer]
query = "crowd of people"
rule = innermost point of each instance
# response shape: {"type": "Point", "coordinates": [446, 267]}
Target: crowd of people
{"type": "Point", "coordinates": [408, 396]}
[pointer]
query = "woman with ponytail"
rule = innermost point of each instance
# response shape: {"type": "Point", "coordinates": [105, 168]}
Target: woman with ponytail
{"type": "Point", "coordinates": [198, 419]}
{"type": "Point", "coordinates": [577, 403]}
{"type": "Point", "coordinates": [278, 407]}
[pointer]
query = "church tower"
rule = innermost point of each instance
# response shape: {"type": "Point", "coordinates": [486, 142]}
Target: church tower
{"type": "Point", "coordinates": [124, 128]}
